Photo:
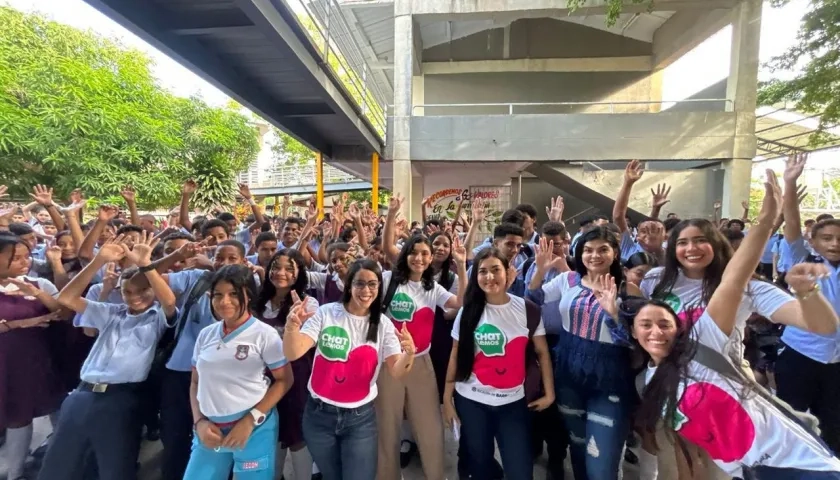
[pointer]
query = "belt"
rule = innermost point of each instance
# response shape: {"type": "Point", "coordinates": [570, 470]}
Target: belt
{"type": "Point", "coordinates": [107, 387]}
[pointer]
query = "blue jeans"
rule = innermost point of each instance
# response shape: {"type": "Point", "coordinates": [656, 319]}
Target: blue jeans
{"type": "Point", "coordinates": [509, 425]}
{"type": "Point", "coordinates": [342, 441]}
{"type": "Point", "coordinates": [598, 425]}
{"type": "Point", "coordinates": [254, 462]}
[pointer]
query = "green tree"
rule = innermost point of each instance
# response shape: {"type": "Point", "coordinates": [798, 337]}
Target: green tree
{"type": "Point", "coordinates": [815, 89]}
{"type": "Point", "coordinates": [367, 195]}
{"type": "Point", "coordinates": [614, 7]}
{"type": "Point", "coordinates": [288, 151]}
{"type": "Point", "coordinates": [81, 111]}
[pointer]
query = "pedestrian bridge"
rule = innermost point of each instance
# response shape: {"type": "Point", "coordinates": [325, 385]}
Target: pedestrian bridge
{"type": "Point", "coordinates": [300, 180]}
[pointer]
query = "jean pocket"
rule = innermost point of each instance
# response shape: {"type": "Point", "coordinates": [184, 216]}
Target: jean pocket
{"type": "Point", "coordinates": [251, 465]}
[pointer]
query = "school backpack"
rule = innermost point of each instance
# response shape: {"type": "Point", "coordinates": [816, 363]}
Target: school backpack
{"type": "Point", "coordinates": [533, 376]}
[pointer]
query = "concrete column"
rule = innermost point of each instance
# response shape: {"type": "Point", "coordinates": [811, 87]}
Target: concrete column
{"type": "Point", "coordinates": [741, 90]}
{"type": "Point", "coordinates": [404, 61]}
{"type": "Point", "coordinates": [655, 94]}
{"type": "Point", "coordinates": [417, 194]}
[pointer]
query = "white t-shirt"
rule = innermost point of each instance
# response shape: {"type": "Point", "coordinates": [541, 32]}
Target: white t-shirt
{"type": "Point", "coordinates": [686, 299]}
{"type": "Point", "coordinates": [270, 312]}
{"type": "Point", "coordinates": [736, 429]}
{"type": "Point", "coordinates": [501, 337]}
{"type": "Point", "coordinates": [416, 305]}
{"type": "Point", "coordinates": [346, 365]}
{"type": "Point", "coordinates": [231, 368]}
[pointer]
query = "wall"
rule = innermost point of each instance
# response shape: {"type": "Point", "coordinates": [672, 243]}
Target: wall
{"type": "Point", "coordinates": [536, 87]}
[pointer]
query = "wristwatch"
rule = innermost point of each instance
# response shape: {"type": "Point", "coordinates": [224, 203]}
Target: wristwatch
{"type": "Point", "coordinates": [259, 417]}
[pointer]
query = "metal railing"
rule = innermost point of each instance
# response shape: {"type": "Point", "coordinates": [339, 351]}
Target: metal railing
{"type": "Point", "coordinates": [295, 175]}
{"type": "Point", "coordinates": [331, 34]}
{"type": "Point", "coordinates": [569, 107]}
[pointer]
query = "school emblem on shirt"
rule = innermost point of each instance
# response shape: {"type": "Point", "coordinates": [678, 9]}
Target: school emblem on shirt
{"type": "Point", "coordinates": [241, 352]}
{"type": "Point", "coordinates": [402, 307]}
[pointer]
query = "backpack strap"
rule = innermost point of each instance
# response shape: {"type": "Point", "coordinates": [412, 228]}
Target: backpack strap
{"type": "Point", "coordinates": [389, 294]}
{"type": "Point", "coordinates": [169, 340]}
{"type": "Point", "coordinates": [533, 315]}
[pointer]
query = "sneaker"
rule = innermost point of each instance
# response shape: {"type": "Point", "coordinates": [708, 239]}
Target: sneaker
{"type": "Point", "coordinates": [407, 452]}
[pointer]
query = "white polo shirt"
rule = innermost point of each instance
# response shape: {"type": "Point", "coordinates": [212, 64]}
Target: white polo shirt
{"type": "Point", "coordinates": [231, 368]}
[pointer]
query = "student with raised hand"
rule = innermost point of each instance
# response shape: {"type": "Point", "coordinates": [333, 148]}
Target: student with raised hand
{"type": "Point", "coordinates": [808, 365]}
{"type": "Point", "coordinates": [103, 413]}
{"type": "Point", "coordinates": [415, 297]}
{"type": "Point", "coordinates": [693, 388]}
{"type": "Point", "coordinates": [29, 380]}
{"type": "Point", "coordinates": [286, 274]}
{"type": "Point", "coordinates": [651, 232]}
{"type": "Point", "coordinates": [593, 371]}
{"type": "Point", "coordinates": [234, 418]}
{"type": "Point", "coordinates": [352, 341]}
{"type": "Point", "coordinates": [485, 389]}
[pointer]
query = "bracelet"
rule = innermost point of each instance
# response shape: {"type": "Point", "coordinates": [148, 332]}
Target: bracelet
{"type": "Point", "coordinates": [808, 294]}
{"type": "Point", "coordinates": [147, 268]}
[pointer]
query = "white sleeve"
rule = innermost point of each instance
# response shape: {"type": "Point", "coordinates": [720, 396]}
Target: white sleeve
{"type": "Point", "coordinates": [456, 325]}
{"type": "Point", "coordinates": [650, 281]}
{"type": "Point", "coordinates": [454, 288]}
{"type": "Point", "coordinates": [386, 280]}
{"type": "Point", "coordinates": [554, 289]}
{"type": "Point", "coordinates": [707, 332]}
{"type": "Point", "coordinates": [317, 280]}
{"type": "Point", "coordinates": [272, 349]}
{"type": "Point", "coordinates": [46, 286]}
{"type": "Point", "coordinates": [312, 304]}
{"type": "Point", "coordinates": [312, 327]}
{"type": "Point", "coordinates": [390, 344]}
{"type": "Point", "coordinates": [766, 298]}
{"type": "Point", "coordinates": [441, 295]}
{"type": "Point", "coordinates": [540, 330]}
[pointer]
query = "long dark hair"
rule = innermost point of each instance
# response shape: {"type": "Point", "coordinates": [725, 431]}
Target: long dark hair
{"type": "Point", "coordinates": [376, 306]}
{"type": "Point", "coordinates": [402, 272]}
{"type": "Point", "coordinates": [446, 277]}
{"type": "Point", "coordinates": [269, 291]}
{"type": "Point", "coordinates": [10, 241]}
{"type": "Point", "coordinates": [474, 302]}
{"type": "Point", "coordinates": [713, 273]}
{"type": "Point", "coordinates": [607, 235]}
{"type": "Point", "coordinates": [242, 280]}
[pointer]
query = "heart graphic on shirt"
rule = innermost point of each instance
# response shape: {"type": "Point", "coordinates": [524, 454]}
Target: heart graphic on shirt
{"type": "Point", "coordinates": [500, 370]}
{"type": "Point", "coordinates": [420, 325]}
{"type": "Point", "coordinates": [345, 381]}
{"type": "Point", "coordinates": [715, 421]}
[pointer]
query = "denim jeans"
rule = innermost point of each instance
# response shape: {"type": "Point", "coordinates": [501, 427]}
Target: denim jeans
{"type": "Point", "coordinates": [509, 425]}
{"type": "Point", "coordinates": [598, 425]}
{"type": "Point", "coordinates": [342, 441]}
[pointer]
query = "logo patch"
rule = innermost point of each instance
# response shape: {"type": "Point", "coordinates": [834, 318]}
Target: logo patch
{"type": "Point", "coordinates": [402, 307]}
{"type": "Point", "coordinates": [241, 352]}
{"type": "Point", "coordinates": [334, 343]}
{"type": "Point", "coordinates": [490, 340]}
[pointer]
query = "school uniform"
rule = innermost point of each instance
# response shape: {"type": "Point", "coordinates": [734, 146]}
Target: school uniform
{"type": "Point", "coordinates": [102, 414]}
{"type": "Point", "coordinates": [808, 365]}
{"type": "Point", "coordinates": [231, 382]}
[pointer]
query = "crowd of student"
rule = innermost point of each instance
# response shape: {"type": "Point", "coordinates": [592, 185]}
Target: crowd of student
{"type": "Point", "coordinates": [351, 343]}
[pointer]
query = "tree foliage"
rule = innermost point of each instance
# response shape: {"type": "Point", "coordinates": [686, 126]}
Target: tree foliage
{"type": "Point", "coordinates": [816, 87]}
{"type": "Point", "coordinates": [367, 195]}
{"type": "Point", "coordinates": [614, 7]}
{"type": "Point", "coordinates": [288, 151]}
{"type": "Point", "coordinates": [81, 111]}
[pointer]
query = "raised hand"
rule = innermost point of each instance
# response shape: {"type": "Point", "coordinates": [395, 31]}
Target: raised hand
{"type": "Point", "coordinates": [771, 206]}
{"type": "Point", "coordinates": [660, 195]}
{"type": "Point", "coordinates": [109, 283]}
{"type": "Point", "coordinates": [794, 166]}
{"type": "Point", "coordinates": [606, 293]}
{"type": "Point", "coordinates": [73, 207]}
{"type": "Point", "coordinates": [395, 204]}
{"type": "Point", "coordinates": [190, 250]}
{"type": "Point", "coordinates": [718, 205]}
{"type": "Point", "coordinates": [298, 314]}
{"type": "Point", "coordinates": [113, 250]}
{"type": "Point", "coordinates": [8, 211]}
{"type": "Point", "coordinates": [76, 196]}
{"type": "Point", "coordinates": [3, 190]}
{"type": "Point", "coordinates": [141, 252]}
{"type": "Point", "coordinates": [53, 254]}
{"type": "Point", "coordinates": [745, 204]}
{"type": "Point", "coordinates": [459, 252]}
{"type": "Point", "coordinates": [545, 255]}
{"type": "Point", "coordinates": [478, 211]}
{"type": "Point", "coordinates": [43, 195]}
{"type": "Point", "coordinates": [555, 210]}
{"type": "Point", "coordinates": [244, 191]}
{"type": "Point", "coordinates": [633, 172]}
{"type": "Point", "coordinates": [128, 194]}
{"type": "Point", "coordinates": [802, 278]}
{"type": "Point", "coordinates": [406, 340]}
{"type": "Point", "coordinates": [189, 187]}
{"type": "Point", "coordinates": [107, 213]}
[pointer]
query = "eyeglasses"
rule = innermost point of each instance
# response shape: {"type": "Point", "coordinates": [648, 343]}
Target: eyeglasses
{"type": "Point", "coordinates": [361, 285]}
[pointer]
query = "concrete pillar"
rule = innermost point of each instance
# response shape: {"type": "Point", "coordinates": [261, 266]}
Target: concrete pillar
{"type": "Point", "coordinates": [418, 94]}
{"type": "Point", "coordinates": [741, 90]}
{"type": "Point", "coordinates": [404, 61]}
{"type": "Point", "coordinates": [416, 198]}
{"type": "Point", "coordinates": [655, 94]}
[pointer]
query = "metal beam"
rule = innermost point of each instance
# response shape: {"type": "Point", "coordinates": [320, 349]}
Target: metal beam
{"type": "Point", "coordinates": [237, 31]}
{"type": "Point", "coordinates": [144, 20]}
{"type": "Point", "coordinates": [292, 110]}
{"type": "Point", "coordinates": [309, 189]}
{"type": "Point", "coordinates": [598, 64]}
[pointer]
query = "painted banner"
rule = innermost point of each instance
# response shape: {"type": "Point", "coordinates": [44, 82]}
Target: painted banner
{"type": "Point", "coordinates": [443, 204]}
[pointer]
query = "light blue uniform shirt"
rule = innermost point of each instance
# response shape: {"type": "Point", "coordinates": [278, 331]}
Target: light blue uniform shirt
{"type": "Point", "coordinates": [552, 320]}
{"type": "Point", "coordinates": [628, 246]}
{"type": "Point", "coordinates": [114, 297]}
{"type": "Point", "coordinates": [198, 317]}
{"type": "Point", "coordinates": [767, 256]}
{"type": "Point", "coordinates": [821, 348]}
{"type": "Point", "coordinates": [252, 259]}
{"type": "Point", "coordinates": [244, 237]}
{"type": "Point", "coordinates": [124, 350]}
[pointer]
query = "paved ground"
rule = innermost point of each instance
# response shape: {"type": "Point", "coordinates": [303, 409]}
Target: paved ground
{"type": "Point", "coordinates": [149, 459]}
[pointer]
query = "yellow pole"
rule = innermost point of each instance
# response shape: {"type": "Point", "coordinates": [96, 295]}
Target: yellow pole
{"type": "Point", "coordinates": [319, 184]}
{"type": "Point", "coordinates": [374, 182]}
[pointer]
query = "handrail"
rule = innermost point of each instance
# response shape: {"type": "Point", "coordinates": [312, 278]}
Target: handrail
{"type": "Point", "coordinates": [511, 105]}
{"type": "Point", "coordinates": [338, 45]}
{"type": "Point", "coordinates": [296, 175]}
